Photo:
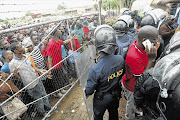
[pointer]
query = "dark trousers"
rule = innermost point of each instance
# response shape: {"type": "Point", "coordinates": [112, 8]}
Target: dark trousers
{"type": "Point", "coordinates": [106, 102]}
{"type": "Point", "coordinates": [59, 79]}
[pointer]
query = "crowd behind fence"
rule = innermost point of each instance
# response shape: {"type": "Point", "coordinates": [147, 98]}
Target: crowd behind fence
{"type": "Point", "coordinates": [37, 68]}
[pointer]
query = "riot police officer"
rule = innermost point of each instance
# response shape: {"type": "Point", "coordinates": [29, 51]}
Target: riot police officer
{"type": "Point", "coordinates": [154, 18]}
{"type": "Point", "coordinates": [122, 38]}
{"type": "Point", "coordinates": [104, 77]}
{"type": "Point", "coordinates": [133, 32]}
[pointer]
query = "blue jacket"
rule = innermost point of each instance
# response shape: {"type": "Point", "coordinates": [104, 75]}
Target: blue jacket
{"type": "Point", "coordinates": [123, 44]}
{"type": "Point", "coordinates": [105, 75]}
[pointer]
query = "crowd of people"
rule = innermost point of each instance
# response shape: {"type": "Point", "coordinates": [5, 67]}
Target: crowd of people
{"type": "Point", "coordinates": [30, 53]}
{"type": "Point", "coordinates": [138, 56]}
{"type": "Point", "coordinates": [128, 51]}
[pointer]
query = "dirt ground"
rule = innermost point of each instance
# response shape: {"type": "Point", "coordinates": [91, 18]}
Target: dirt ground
{"type": "Point", "coordinates": [73, 107]}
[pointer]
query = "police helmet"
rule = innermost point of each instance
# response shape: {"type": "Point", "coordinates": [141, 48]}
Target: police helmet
{"type": "Point", "coordinates": [105, 39]}
{"type": "Point", "coordinates": [121, 28]}
{"type": "Point", "coordinates": [124, 11]}
{"type": "Point", "coordinates": [124, 18]}
{"type": "Point", "coordinates": [133, 14]}
{"type": "Point", "coordinates": [148, 20]}
{"type": "Point", "coordinates": [127, 12]}
{"type": "Point", "coordinates": [154, 17]}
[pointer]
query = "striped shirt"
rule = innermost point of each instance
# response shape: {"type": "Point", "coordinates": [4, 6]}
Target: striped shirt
{"type": "Point", "coordinates": [38, 58]}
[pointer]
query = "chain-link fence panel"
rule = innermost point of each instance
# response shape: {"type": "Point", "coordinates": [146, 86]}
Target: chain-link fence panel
{"type": "Point", "coordinates": [39, 68]}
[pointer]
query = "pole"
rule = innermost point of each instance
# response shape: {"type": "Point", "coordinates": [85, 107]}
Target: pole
{"type": "Point", "coordinates": [120, 6]}
{"type": "Point", "coordinates": [109, 8]}
{"type": "Point", "coordinates": [39, 24]}
{"type": "Point", "coordinates": [100, 3]}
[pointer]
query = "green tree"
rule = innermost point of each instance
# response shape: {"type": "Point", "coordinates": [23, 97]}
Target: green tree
{"type": "Point", "coordinates": [114, 4]}
{"type": "Point", "coordinates": [60, 7]}
{"type": "Point", "coordinates": [29, 13]}
{"type": "Point", "coordinates": [127, 3]}
{"type": "Point", "coordinates": [110, 4]}
{"type": "Point", "coordinates": [105, 4]}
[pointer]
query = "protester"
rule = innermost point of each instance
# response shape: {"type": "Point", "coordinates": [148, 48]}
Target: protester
{"type": "Point", "coordinates": [28, 74]}
{"type": "Point", "coordinates": [86, 31]}
{"type": "Point", "coordinates": [73, 46]}
{"type": "Point", "coordinates": [4, 45]}
{"type": "Point", "coordinates": [154, 93]}
{"type": "Point", "coordinates": [78, 27]}
{"type": "Point", "coordinates": [54, 52]}
{"type": "Point", "coordinates": [138, 59]}
{"type": "Point", "coordinates": [35, 40]}
{"type": "Point", "coordinates": [6, 89]}
{"type": "Point", "coordinates": [8, 56]}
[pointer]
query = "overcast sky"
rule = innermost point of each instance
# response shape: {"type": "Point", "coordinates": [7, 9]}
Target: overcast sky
{"type": "Point", "coordinates": [36, 6]}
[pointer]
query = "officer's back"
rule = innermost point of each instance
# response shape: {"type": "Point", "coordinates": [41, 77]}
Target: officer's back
{"type": "Point", "coordinates": [108, 70]}
{"type": "Point", "coordinates": [104, 77]}
{"type": "Point", "coordinates": [123, 44]}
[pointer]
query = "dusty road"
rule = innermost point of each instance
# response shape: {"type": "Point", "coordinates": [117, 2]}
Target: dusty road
{"type": "Point", "coordinates": [73, 107]}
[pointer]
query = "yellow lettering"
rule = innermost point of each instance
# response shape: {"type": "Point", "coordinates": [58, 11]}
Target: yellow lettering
{"type": "Point", "coordinates": [121, 71]}
{"type": "Point", "coordinates": [112, 76]}
{"type": "Point", "coordinates": [118, 74]}
{"type": "Point", "coordinates": [109, 78]}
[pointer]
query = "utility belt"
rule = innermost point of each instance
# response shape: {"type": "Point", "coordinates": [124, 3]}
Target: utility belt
{"type": "Point", "coordinates": [100, 95]}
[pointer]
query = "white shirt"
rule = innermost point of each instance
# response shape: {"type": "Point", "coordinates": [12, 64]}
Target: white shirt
{"type": "Point", "coordinates": [26, 71]}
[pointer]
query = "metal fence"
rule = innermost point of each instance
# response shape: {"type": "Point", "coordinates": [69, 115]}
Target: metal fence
{"type": "Point", "coordinates": [30, 79]}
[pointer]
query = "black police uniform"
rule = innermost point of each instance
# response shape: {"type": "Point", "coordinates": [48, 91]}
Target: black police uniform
{"type": "Point", "coordinates": [104, 79]}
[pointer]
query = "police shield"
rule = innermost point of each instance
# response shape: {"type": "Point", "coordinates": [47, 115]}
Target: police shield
{"type": "Point", "coordinates": [83, 63]}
